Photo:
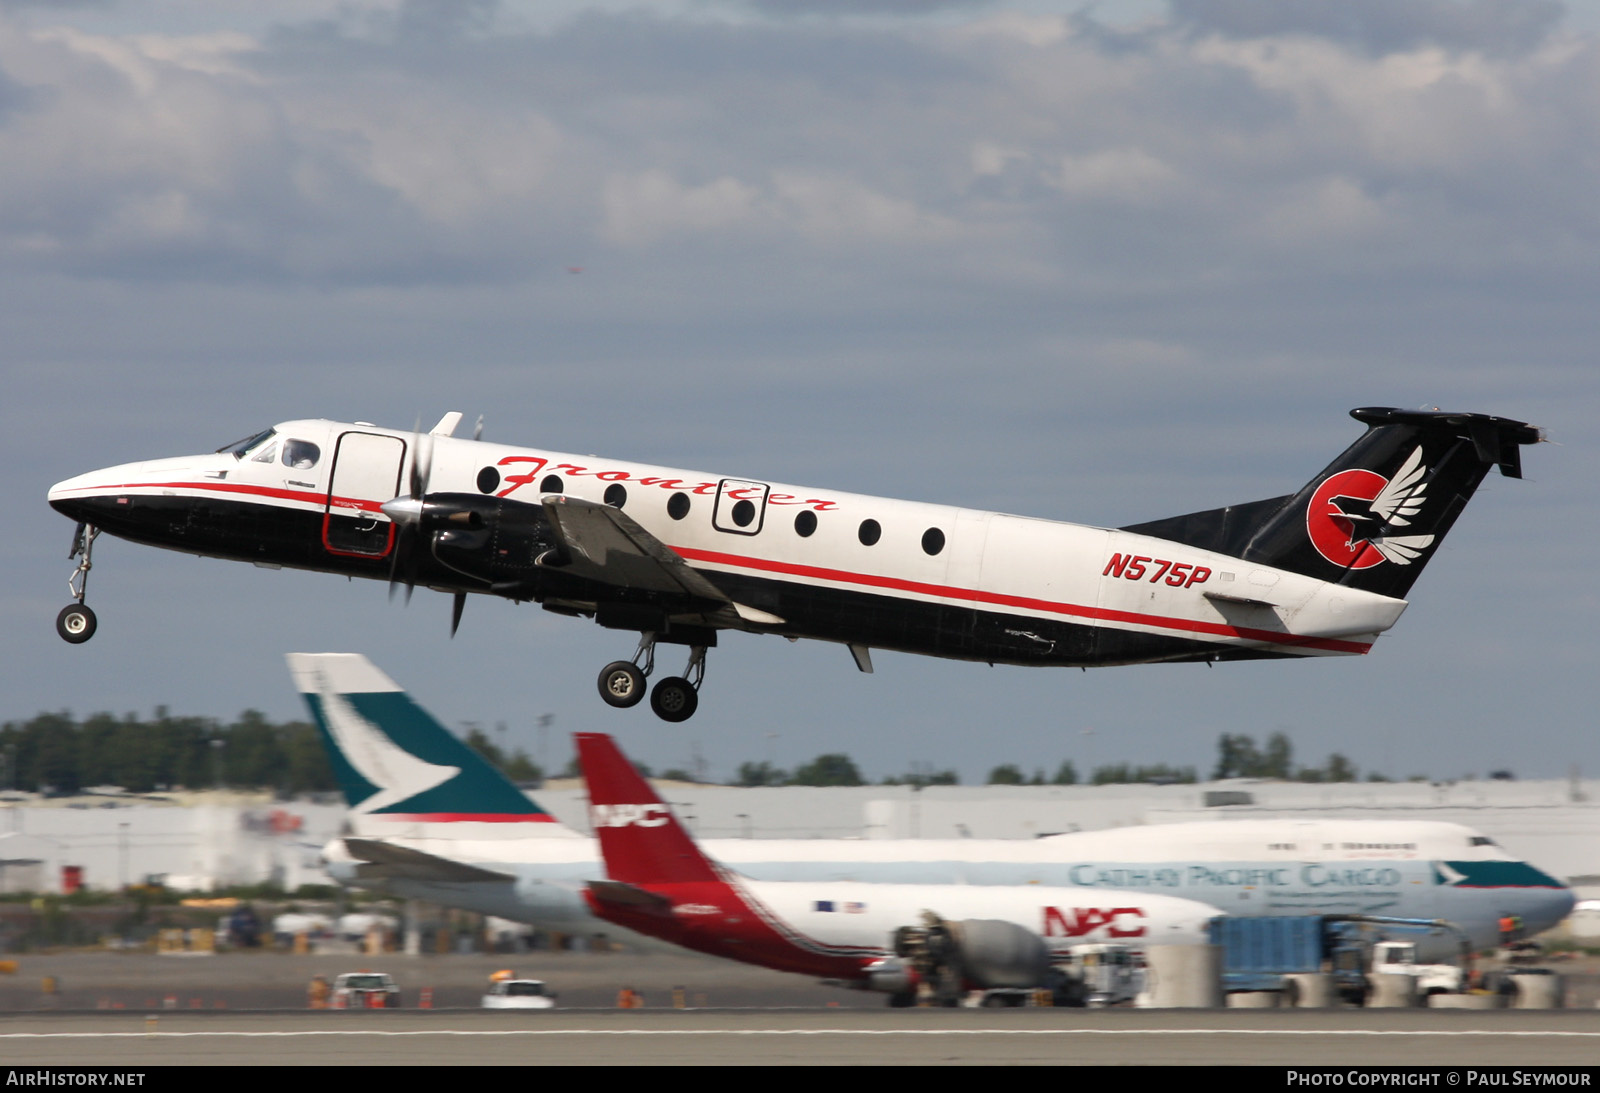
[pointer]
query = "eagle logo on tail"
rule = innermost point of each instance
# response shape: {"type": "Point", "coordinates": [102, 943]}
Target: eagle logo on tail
{"type": "Point", "coordinates": [1353, 513]}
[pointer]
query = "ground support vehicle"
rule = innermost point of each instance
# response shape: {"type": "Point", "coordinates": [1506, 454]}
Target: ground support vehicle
{"type": "Point", "coordinates": [366, 990]}
{"type": "Point", "coordinates": [1259, 954]}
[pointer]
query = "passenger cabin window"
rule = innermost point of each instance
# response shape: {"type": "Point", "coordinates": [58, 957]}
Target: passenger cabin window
{"type": "Point", "coordinates": [301, 455]}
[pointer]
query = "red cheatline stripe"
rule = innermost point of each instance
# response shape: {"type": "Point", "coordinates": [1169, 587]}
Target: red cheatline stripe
{"type": "Point", "coordinates": [315, 498]}
{"type": "Point", "coordinates": [1027, 602]}
{"type": "Point", "coordinates": [873, 580]}
{"type": "Point", "coordinates": [468, 817]}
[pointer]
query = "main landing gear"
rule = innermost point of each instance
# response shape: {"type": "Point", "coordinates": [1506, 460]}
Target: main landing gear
{"type": "Point", "coordinates": [77, 623]}
{"type": "Point", "coordinates": [622, 682]}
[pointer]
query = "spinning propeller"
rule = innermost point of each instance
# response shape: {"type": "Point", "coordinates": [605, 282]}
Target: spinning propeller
{"type": "Point", "coordinates": [415, 524]}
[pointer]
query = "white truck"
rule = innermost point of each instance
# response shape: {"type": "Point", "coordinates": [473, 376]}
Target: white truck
{"type": "Point", "coordinates": [1400, 958]}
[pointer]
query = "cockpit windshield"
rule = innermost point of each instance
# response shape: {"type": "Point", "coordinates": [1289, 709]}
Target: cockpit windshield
{"type": "Point", "coordinates": [240, 448]}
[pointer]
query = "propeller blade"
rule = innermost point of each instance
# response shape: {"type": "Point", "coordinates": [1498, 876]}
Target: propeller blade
{"type": "Point", "coordinates": [456, 608]}
{"type": "Point", "coordinates": [400, 565]}
{"type": "Point", "coordinates": [421, 467]}
{"type": "Point", "coordinates": [406, 512]}
{"type": "Point", "coordinates": [421, 462]}
{"type": "Point", "coordinates": [477, 430]}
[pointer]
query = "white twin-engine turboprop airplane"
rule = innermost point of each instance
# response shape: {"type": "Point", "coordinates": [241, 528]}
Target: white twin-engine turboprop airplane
{"type": "Point", "coordinates": [679, 555]}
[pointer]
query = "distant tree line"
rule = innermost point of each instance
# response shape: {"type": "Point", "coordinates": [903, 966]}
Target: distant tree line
{"type": "Point", "coordinates": [1238, 757]}
{"type": "Point", "coordinates": [516, 766]}
{"type": "Point", "coordinates": [55, 753]}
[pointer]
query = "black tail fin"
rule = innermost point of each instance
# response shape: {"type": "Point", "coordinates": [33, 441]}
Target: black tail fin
{"type": "Point", "coordinates": [1374, 516]}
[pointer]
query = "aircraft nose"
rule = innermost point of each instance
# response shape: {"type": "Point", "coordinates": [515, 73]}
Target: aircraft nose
{"type": "Point", "coordinates": [102, 497]}
{"type": "Point", "coordinates": [81, 498]}
{"type": "Point", "coordinates": [1554, 906]}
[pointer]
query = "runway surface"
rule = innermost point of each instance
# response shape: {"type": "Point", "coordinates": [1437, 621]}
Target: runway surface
{"type": "Point", "coordinates": [131, 1010]}
{"type": "Point", "coordinates": [801, 1037]}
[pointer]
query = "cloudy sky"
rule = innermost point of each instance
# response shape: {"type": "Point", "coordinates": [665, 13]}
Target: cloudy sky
{"type": "Point", "coordinates": [1098, 262]}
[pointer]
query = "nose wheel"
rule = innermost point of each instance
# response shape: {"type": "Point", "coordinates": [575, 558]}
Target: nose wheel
{"type": "Point", "coordinates": [622, 682]}
{"type": "Point", "coordinates": [77, 623]}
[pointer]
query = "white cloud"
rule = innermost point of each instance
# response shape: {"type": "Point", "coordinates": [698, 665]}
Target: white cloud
{"type": "Point", "coordinates": [644, 207]}
{"type": "Point", "coordinates": [368, 156]}
{"type": "Point", "coordinates": [1129, 175]}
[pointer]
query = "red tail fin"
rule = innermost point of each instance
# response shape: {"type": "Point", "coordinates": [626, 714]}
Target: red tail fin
{"type": "Point", "coordinates": [640, 839]}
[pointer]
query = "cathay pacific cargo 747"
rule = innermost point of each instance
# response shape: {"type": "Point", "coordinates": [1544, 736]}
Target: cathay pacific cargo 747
{"type": "Point", "coordinates": [431, 820]}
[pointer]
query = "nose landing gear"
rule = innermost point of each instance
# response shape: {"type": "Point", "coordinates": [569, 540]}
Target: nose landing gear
{"type": "Point", "coordinates": [76, 622]}
{"type": "Point", "coordinates": [675, 698]}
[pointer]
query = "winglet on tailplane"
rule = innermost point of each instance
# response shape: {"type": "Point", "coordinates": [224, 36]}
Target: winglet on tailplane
{"type": "Point", "coordinates": [400, 769]}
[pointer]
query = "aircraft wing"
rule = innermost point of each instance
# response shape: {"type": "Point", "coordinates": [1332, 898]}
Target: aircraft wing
{"type": "Point", "coordinates": [601, 543]}
{"type": "Point", "coordinates": [385, 860]}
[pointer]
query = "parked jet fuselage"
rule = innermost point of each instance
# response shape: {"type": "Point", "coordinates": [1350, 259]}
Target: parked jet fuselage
{"type": "Point", "coordinates": [431, 820]}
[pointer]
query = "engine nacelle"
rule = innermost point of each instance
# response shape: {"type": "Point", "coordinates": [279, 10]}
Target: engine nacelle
{"type": "Point", "coordinates": [489, 538]}
{"type": "Point", "coordinates": [890, 975]}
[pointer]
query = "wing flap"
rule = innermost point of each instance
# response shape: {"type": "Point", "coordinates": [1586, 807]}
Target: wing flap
{"type": "Point", "coordinates": [602, 543]}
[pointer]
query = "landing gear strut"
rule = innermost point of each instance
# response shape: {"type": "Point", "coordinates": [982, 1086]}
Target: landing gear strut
{"type": "Point", "coordinates": [622, 682]}
{"type": "Point", "coordinates": [77, 623]}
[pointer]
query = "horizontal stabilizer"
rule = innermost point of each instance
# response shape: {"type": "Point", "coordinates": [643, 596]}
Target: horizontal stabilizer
{"type": "Point", "coordinates": [1496, 440]}
{"type": "Point", "coordinates": [1243, 601]}
{"type": "Point", "coordinates": [615, 893]}
{"type": "Point", "coordinates": [404, 862]}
